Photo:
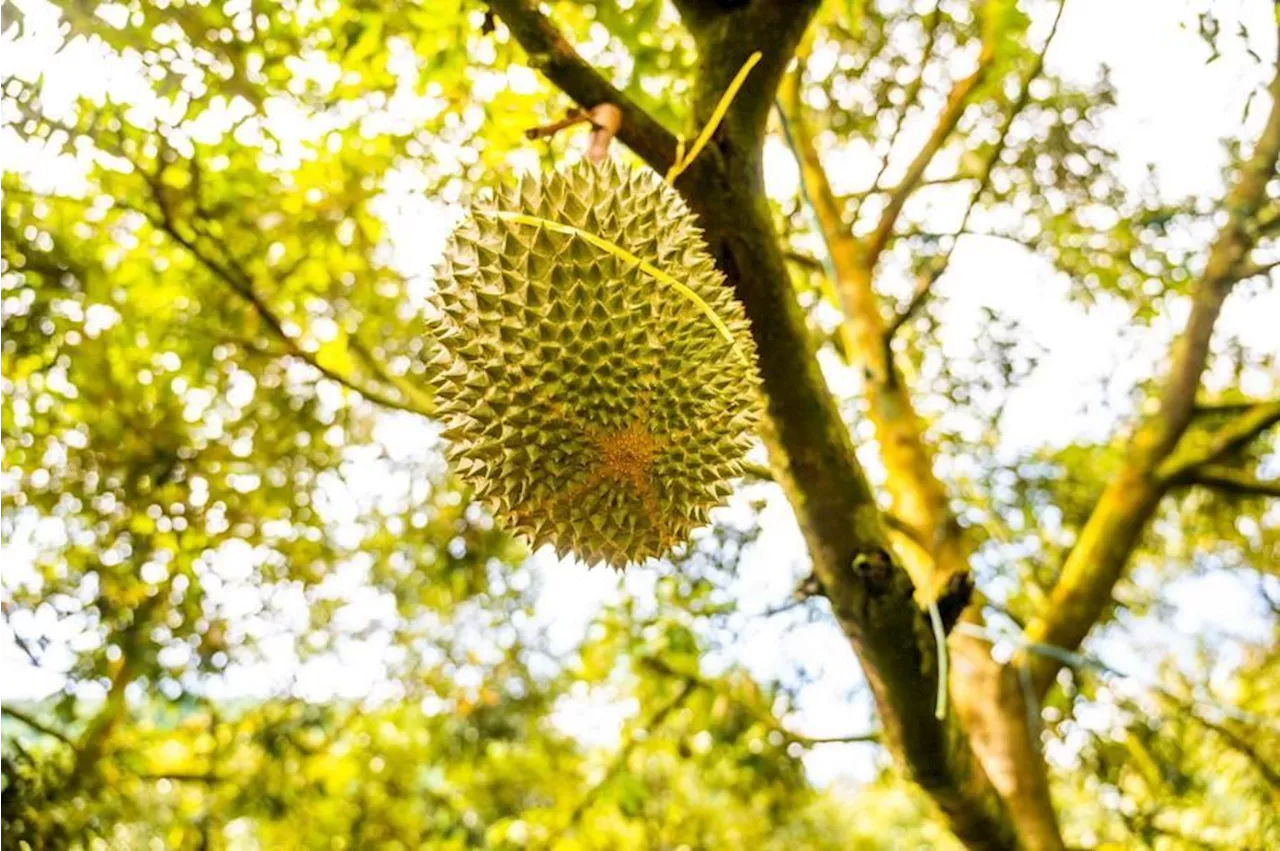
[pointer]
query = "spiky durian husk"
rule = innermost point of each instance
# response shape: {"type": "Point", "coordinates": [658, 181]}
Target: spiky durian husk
{"type": "Point", "coordinates": [590, 405]}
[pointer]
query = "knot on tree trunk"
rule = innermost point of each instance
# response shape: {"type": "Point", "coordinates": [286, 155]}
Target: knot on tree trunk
{"type": "Point", "coordinates": [875, 568]}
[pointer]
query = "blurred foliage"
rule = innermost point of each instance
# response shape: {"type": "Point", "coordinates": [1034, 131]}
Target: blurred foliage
{"type": "Point", "coordinates": [218, 463]}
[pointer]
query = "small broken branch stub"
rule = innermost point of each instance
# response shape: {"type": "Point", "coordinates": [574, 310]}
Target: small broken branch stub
{"type": "Point", "coordinates": [604, 118]}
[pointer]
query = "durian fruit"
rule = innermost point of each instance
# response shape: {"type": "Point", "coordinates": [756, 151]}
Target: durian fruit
{"type": "Point", "coordinates": [594, 373]}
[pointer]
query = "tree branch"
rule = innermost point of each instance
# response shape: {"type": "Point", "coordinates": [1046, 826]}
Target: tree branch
{"type": "Point", "coordinates": [1220, 443]}
{"type": "Point", "coordinates": [1230, 480]}
{"type": "Point", "coordinates": [552, 54]}
{"type": "Point", "coordinates": [1098, 559]}
{"type": "Point", "coordinates": [909, 99]}
{"type": "Point", "coordinates": [899, 432]}
{"type": "Point", "coordinates": [1220, 407]}
{"type": "Point", "coordinates": [1251, 269]}
{"type": "Point", "coordinates": [926, 282]}
{"type": "Point", "coordinates": [956, 103]}
{"type": "Point", "coordinates": [37, 725]}
{"type": "Point", "coordinates": [989, 722]}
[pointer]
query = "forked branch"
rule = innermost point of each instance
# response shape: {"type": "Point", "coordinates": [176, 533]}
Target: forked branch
{"type": "Point", "coordinates": [552, 54]}
{"type": "Point", "coordinates": [1222, 442]}
{"type": "Point", "coordinates": [957, 101]}
{"type": "Point", "coordinates": [1102, 550]}
{"type": "Point", "coordinates": [935, 270]}
{"type": "Point", "coordinates": [1224, 479]}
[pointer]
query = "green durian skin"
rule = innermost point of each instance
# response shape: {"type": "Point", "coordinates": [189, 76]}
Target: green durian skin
{"type": "Point", "coordinates": [589, 405]}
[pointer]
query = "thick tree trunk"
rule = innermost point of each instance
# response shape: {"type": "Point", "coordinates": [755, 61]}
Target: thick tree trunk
{"type": "Point", "coordinates": [987, 695]}
{"type": "Point", "coordinates": [871, 596]}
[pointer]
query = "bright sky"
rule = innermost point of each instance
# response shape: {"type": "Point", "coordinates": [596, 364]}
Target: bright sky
{"type": "Point", "coordinates": [1173, 111]}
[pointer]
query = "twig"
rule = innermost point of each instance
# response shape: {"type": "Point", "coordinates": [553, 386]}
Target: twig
{"type": "Point", "coordinates": [1247, 270]}
{"type": "Point", "coordinates": [925, 284]}
{"type": "Point", "coordinates": [909, 99]}
{"type": "Point", "coordinates": [763, 716]}
{"type": "Point", "coordinates": [418, 401]}
{"type": "Point", "coordinates": [552, 54]}
{"type": "Point", "coordinates": [801, 259]}
{"type": "Point", "coordinates": [620, 760]}
{"type": "Point", "coordinates": [239, 282]}
{"type": "Point", "coordinates": [604, 118]}
{"type": "Point", "coordinates": [245, 289]}
{"type": "Point", "coordinates": [1220, 477]}
{"type": "Point", "coordinates": [862, 194]}
{"type": "Point", "coordinates": [1081, 661]}
{"type": "Point", "coordinates": [37, 725]}
{"type": "Point", "coordinates": [1238, 743]}
{"type": "Point", "coordinates": [956, 104]}
{"type": "Point", "coordinates": [573, 118]}
{"type": "Point", "coordinates": [182, 777]}
{"type": "Point", "coordinates": [803, 593]}
{"type": "Point", "coordinates": [1141, 826]}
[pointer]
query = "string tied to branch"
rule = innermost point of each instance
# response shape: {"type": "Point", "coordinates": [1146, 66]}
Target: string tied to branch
{"type": "Point", "coordinates": [683, 160]}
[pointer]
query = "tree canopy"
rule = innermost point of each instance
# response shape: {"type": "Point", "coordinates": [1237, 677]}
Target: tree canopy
{"type": "Point", "coordinates": [249, 606]}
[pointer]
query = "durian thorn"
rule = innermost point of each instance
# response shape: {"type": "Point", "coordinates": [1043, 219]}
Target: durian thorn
{"type": "Point", "coordinates": [679, 436]}
{"type": "Point", "coordinates": [598, 475]}
{"type": "Point", "coordinates": [620, 471]}
{"type": "Point", "coordinates": [626, 256]}
{"type": "Point", "coordinates": [649, 503]}
{"type": "Point", "coordinates": [717, 115]}
{"type": "Point", "coordinates": [643, 410]}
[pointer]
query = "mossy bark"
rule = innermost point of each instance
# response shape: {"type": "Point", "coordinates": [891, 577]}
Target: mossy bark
{"type": "Point", "coordinates": [987, 695]}
{"type": "Point", "coordinates": [871, 593]}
